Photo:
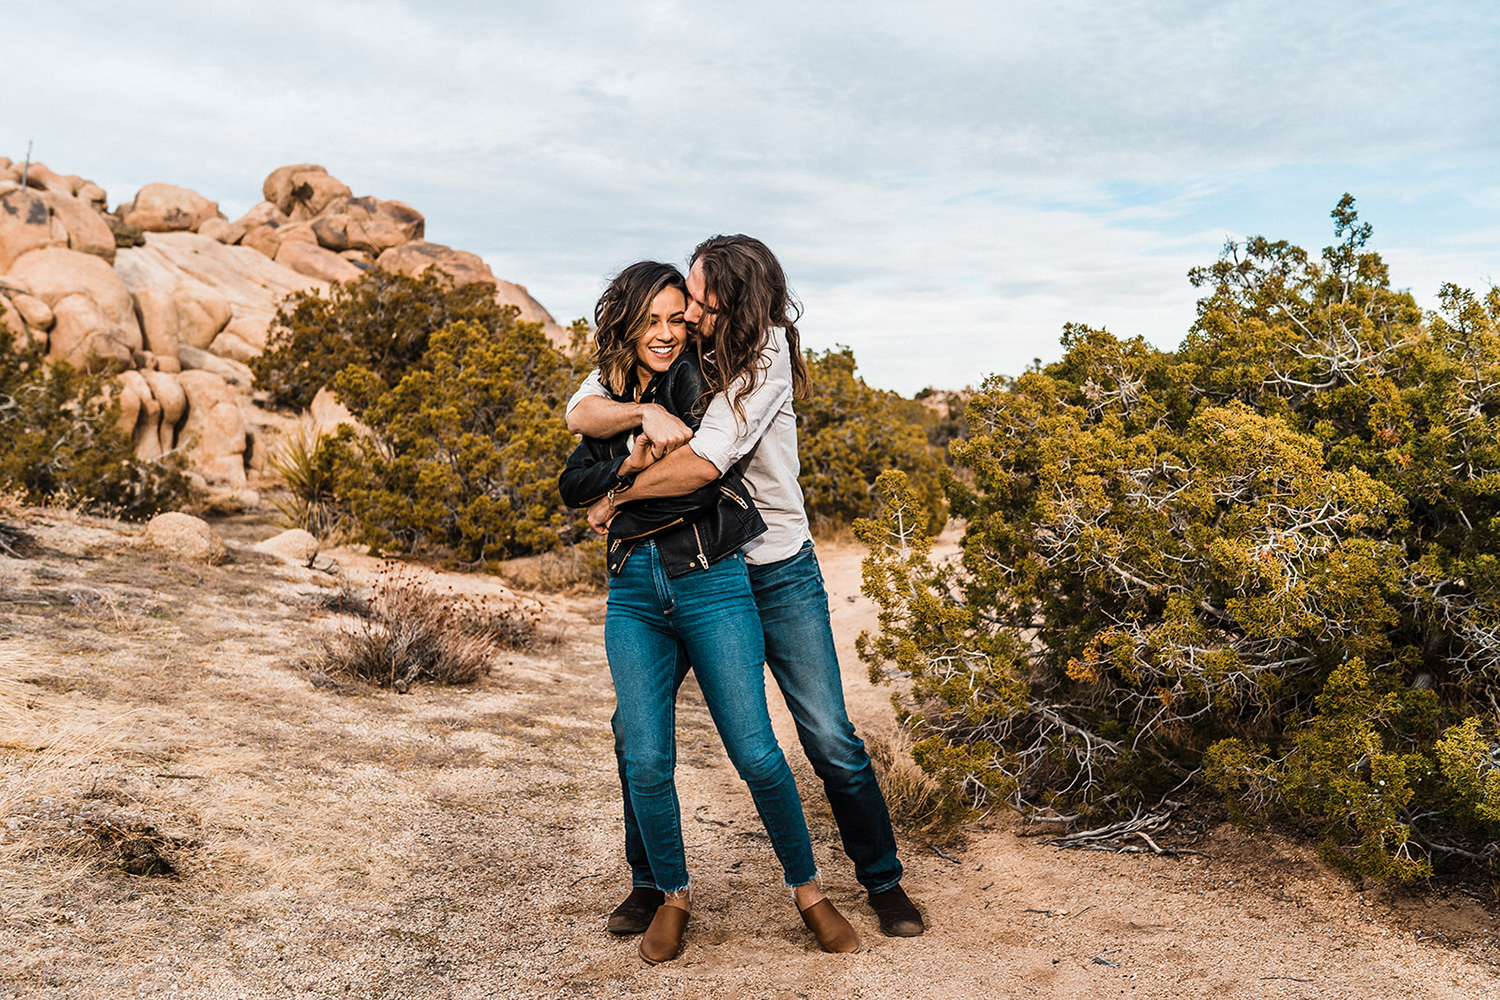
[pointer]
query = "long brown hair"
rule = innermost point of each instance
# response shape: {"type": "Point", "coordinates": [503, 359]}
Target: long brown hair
{"type": "Point", "coordinates": [623, 314]}
{"type": "Point", "coordinates": [744, 280]}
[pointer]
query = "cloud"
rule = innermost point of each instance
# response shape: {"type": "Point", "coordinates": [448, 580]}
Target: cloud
{"type": "Point", "coordinates": [948, 182]}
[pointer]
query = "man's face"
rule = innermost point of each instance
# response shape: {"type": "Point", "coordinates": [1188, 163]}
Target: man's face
{"type": "Point", "coordinates": [700, 305]}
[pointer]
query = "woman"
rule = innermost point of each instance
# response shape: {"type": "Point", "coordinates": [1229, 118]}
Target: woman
{"type": "Point", "coordinates": [678, 586]}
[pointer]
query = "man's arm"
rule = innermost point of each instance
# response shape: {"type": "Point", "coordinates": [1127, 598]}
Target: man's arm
{"type": "Point", "coordinates": [602, 417]}
{"type": "Point", "coordinates": [678, 474]}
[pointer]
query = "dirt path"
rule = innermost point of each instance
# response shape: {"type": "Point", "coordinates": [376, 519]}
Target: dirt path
{"type": "Point", "coordinates": [464, 843]}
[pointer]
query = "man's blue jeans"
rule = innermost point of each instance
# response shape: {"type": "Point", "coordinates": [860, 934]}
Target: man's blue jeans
{"type": "Point", "coordinates": [709, 617]}
{"type": "Point", "coordinates": [793, 608]}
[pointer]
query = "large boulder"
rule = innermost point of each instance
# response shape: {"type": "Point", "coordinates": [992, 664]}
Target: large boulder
{"type": "Point", "coordinates": [144, 423]}
{"type": "Point", "coordinates": [87, 230]}
{"type": "Point", "coordinates": [368, 224]}
{"type": "Point", "coordinates": [327, 413]}
{"type": "Point", "coordinates": [222, 230]}
{"type": "Point", "coordinates": [167, 208]}
{"type": "Point", "coordinates": [231, 371]}
{"type": "Point", "coordinates": [262, 225]}
{"type": "Point", "coordinates": [184, 536]}
{"type": "Point", "coordinates": [529, 310]}
{"type": "Point", "coordinates": [252, 284]}
{"type": "Point", "coordinates": [302, 190]}
{"type": "Point", "coordinates": [465, 269]}
{"type": "Point", "coordinates": [214, 431]}
{"type": "Point", "coordinates": [156, 311]}
{"type": "Point", "coordinates": [173, 402]}
{"type": "Point", "coordinates": [11, 317]}
{"type": "Point", "coordinates": [94, 316]}
{"type": "Point", "coordinates": [43, 178]}
{"type": "Point", "coordinates": [26, 224]}
{"type": "Point", "coordinates": [33, 310]}
{"type": "Point", "coordinates": [316, 262]}
{"type": "Point", "coordinates": [416, 257]}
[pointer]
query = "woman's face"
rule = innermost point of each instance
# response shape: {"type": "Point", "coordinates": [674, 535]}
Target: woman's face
{"type": "Point", "coordinates": [665, 336]}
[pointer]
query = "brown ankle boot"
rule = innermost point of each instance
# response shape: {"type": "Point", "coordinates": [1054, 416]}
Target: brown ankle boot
{"type": "Point", "coordinates": [828, 925]}
{"type": "Point", "coordinates": [663, 939]}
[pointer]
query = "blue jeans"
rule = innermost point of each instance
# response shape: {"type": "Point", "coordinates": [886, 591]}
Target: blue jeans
{"type": "Point", "coordinates": [708, 617]}
{"type": "Point", "coordinates": [798, 633]}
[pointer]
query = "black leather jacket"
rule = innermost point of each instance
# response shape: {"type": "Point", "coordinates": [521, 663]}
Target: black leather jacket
{"type": "Point", "coordinates": [691, 532]}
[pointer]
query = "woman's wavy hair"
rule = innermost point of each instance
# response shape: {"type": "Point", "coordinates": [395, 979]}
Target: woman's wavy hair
{"type": "Point", "coordinates": [623, 314]}
{"type": "Point", "coordinates": [744, 280]}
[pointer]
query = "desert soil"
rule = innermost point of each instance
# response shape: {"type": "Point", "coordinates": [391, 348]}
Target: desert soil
{"type": "Point", "coordinates": [334, 840]}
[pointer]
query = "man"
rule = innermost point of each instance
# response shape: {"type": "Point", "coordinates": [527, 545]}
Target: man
{"type": "Point", "coordinates": [740, 309]}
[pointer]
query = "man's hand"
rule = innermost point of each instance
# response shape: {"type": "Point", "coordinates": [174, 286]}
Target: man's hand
{"type": "Point", "coordinates": [666, 432]}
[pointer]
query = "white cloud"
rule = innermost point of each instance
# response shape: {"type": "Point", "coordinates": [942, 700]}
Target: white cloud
{"type": "Point", "coordinates": [947, 182]}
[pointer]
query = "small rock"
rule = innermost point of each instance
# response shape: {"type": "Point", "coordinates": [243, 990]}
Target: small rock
{"type": "Point", "coordinates": [293, 546]}
{"type": "Point", "coordinates": [184, 536]}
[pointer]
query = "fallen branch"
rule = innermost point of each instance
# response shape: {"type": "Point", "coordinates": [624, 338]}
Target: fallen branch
{"type": "Point", "coordinates": [1114, 836]}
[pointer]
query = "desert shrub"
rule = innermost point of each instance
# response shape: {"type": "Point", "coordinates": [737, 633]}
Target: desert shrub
{"type": "Point", "coordinates": [411, 634]}
{"type": "Point", "coordinates": [62, 440]}
{"type": "Point", "coordinates": [464, 450]}
{"type": "Point", "coordinates": [943, 416]}
{"type": "Point", "coordinates": [307, 467]}
{"type": "Point", "coordinates": [849, 433]}
{"type": "Point", "coordinates": [1266, 559]}
{"type": "Point", "coordinates": [382, 322]}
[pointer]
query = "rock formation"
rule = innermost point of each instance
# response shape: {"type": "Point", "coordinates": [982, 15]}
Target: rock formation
{"type": "Point", "coordinates": [176, 299]}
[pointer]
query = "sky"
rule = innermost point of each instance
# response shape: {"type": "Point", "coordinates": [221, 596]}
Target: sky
{"type": "Point", "coordinates": [946, 183]}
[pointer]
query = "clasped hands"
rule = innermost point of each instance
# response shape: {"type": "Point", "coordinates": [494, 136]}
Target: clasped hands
{"type": "Point", "coordinates": [660, 434]}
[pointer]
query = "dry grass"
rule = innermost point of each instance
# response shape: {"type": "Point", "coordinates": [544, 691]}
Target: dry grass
{"type": "Point", "coordinates": [413, 633]}
{"type": "Point", "coordinates": [43, 757]}
{"type": "Point", "coordinates": [573, 569]}
{"type": "Point", "coordinates": [14, 540]}
{"type": "Point", "coordinates": [916, 799]}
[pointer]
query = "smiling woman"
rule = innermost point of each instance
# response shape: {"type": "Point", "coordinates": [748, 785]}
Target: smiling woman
{"type": "Point", "coordinates": [639, 326]}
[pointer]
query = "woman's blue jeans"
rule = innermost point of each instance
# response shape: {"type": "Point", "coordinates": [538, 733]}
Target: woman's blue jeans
{"type": "Point", "coordinates": [708, 616]}
{"type": "Point", "coordinates": [793, 611]}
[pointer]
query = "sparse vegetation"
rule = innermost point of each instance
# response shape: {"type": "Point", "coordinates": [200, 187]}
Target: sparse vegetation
{"type": "Point", "coordinates": [411, 634]}
{"type": "Point", "coordinates": [62, 440]}
{"type": "Point", "coordinates": [306, 466]}
{"type": "Point", "coordinates": [849, 433]}
{"type": "Point", "coordinates": [382, 322]}
{"type": "Point", "coordinates": [1266, 561]}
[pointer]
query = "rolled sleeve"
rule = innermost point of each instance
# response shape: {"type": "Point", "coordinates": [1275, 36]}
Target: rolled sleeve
{"type": "Point", "coordinates": [725, 437]}
{"type": "Point", "coordinates": [592, 386]}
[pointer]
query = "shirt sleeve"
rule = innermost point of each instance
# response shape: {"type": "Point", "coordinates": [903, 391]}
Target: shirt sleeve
{"type": "Point", "coordinates": [592, 386]}
{"type": "Point", "coordinates": [725, 437]}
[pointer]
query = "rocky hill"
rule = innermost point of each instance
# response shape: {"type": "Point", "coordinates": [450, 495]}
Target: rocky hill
{"type": "Point", "coordinates": [175, 298]}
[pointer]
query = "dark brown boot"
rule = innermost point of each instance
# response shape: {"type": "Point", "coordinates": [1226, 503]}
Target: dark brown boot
{"type": "Point", "coordinates": [828, 925]}
{"type": "Point", "coordinates": [898, 915]}
{"type": "Point", "coordinates": [634, 914]}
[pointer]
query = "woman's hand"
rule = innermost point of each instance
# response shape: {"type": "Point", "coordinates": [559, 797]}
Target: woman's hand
{"type": "Point", "coordinates": [643, 453]}
{"type": "Point", "coordinates": [600, 514]}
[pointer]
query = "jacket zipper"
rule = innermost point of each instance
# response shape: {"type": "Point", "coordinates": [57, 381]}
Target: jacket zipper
{"type": "Point", "coordinates": [699, 539]}
{"type": "Point", "coordinates": [631, 538]}
{"type": "Point", "coordinates": [731, 494]}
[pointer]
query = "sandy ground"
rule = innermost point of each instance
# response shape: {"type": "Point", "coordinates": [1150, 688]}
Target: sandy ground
{"type": "Point", "coordinates": [456, 843]}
